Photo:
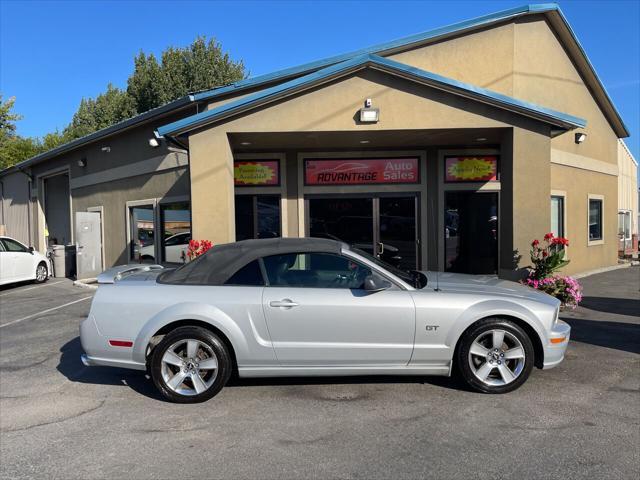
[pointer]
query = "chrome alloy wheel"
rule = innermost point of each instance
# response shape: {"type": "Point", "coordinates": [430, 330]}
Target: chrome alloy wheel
{"type": "Point", "coordinates": [41, 273]}
{"type": "Point", "coordinates": [496, 357]}
{"type": "Point", "coordinates": [189, 367]}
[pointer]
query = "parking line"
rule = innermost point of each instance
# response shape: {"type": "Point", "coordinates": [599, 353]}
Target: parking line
{"type": "Point", "coordinates": [45, 311]}
{"type": "Point", "coordinates": [2, 294]}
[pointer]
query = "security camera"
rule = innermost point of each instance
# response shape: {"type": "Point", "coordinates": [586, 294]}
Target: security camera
{"type": "Point", "coordinates": [367, 103]}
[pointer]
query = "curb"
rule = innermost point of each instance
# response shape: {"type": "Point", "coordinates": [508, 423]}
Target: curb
{"type": "Point", "coordinates": [602, 270]}
{"type": "Point", "coordinates": [86, 283]}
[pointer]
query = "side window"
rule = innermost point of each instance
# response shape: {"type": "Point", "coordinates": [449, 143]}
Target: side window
{"type": "Point", "coordinates": [13, 246]}
{"type": "Point", "coordinates": [249, 275]}
{"type": "Point", "coordinates": [315, 270]}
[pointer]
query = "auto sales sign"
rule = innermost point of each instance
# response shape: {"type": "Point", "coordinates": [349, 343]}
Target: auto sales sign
{"type": "Point", "coordinates": [256, 173]}
{"type": "Point", "coordinates": [359, 171]}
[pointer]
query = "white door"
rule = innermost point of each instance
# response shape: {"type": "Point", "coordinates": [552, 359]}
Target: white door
{"type": "Point", "coordinates": [19, 260]}
{"type": "Point", "coordinates": [89, 244]}
{"type": "Point", "coordinates": [6, 267]}
{"type": "Point", "coordinates": [318, 314]}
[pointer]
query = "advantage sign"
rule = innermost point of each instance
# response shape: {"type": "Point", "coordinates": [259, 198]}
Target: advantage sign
{"type": "Point", "coordinates": [256, 173]}
{"type": "Point", "coordinates": [471, 169]}
{"type": "Point", "coordinates": [356, 171]}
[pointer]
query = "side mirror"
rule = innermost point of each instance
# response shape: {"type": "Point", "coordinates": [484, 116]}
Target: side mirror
{"type": "Point", "coordinates": [373, 284]}
{"type": "Point", "coordinates": [30, 250]}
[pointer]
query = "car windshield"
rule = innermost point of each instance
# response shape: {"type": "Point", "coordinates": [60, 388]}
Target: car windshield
{"type": "Point", "coordinates": [402, 274]}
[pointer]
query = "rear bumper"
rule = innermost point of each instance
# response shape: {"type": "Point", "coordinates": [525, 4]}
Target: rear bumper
{"type": "Point", "coordinates": [557, 344]}
{"type": "Point", "coordinates": [98, 352]}
{"type": "Point", "coordinates": [88, 361]}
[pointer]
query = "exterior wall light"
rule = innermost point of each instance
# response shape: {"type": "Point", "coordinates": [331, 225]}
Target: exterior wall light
{"type": "Point", "coordinates": [369, 114]}
{"type": "Point", "coordinates": [153, 142]}
{"type": "Point", "coordinates": [82, 162]}
{"type": "Point", "coordinates": [580, 137]}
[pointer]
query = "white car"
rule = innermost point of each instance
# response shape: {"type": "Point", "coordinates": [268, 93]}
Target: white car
{"type": "Point", "coordinates": [175, 249]}
{"type": "Point", "coordinates": [19, 263]}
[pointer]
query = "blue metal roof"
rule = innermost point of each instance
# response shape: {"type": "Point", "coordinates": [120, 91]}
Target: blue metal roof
{"type": "Point", "coordinates": [431, 35]}
{"type": "Point", "coordinates": [369, 60]}
{"type": "Point", "coordinates": [454, 28]}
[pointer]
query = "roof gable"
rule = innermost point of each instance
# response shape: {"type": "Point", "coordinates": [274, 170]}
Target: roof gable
{"type": "Point", "coordinates": [550, 10]}
{"type": "Point", "coordinates": [552, 117]}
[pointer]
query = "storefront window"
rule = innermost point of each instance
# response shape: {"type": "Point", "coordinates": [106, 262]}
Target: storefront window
{"type": "Point", "coordinates": [557, 216]}
{"type": "Point", "coordinates": [257, 216]}
{"type": "Point", "coordinates": [175, 222]}
{"type": "Point", "coordinates": [595, 219]}
{"type": "Point", "coordinates": [142, 224]}
{"type": "Point", "coordinates": [471, 232]}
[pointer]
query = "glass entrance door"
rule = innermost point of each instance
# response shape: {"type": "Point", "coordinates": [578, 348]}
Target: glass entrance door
{"type": "Point", "coordinates": [382, 226]}
{"type": "Point", "coordinates": [471, 232]}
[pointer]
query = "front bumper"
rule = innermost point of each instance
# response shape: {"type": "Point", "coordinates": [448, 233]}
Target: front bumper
{"type": "Point", "coordinates": [556, 344]}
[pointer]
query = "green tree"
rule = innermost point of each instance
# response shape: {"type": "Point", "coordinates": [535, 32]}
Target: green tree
{"type": "Point", "coordinates": [108, 108]}
{"type": "Point", "coordinates": [182, 70]}
{"type": "Point", "coordinates": [13, 148]}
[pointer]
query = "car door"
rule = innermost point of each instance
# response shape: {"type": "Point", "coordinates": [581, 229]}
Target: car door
{"type": "Point", "coordinates": [318, 314]}
{"type": "Point", "coordinates": [20, 260]}
{"type": "Point", "coordinates": [6, 266]}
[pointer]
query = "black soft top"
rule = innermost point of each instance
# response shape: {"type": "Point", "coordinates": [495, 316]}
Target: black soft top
{"type": "Point", "coordinates": [217, 265]}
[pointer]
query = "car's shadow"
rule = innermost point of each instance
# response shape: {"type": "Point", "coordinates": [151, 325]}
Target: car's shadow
{"type": "Point", "coordinates": [619, 306]}
{"type": "Point", "coordinates": [616, 335]}
{"type": "Point", "coordinates": [72, 368]}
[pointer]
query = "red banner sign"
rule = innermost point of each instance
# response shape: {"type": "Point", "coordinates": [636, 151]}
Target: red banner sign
{"type": "Point", "coordinates": [471, 169]}
{"type": "Point", "coordinates": [256, 173]}
{"type": "Point", "coordinates": [356, 171]}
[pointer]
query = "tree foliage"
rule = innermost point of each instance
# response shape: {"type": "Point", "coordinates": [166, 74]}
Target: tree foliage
{"type": "Point", "coordinates": [181, 70]}
{"type": "Point", "coordinates": [201, 66]}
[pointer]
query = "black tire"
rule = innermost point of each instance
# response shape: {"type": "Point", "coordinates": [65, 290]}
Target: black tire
{"type": "Point", "coordinates": [204, 336]}
{"type": "Point", "coordinates": [39, 278]}
{"type": "Point", "coordinates": [462, 361]}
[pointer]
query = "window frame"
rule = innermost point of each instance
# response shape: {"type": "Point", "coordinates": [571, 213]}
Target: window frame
{"type": "Point", "coordinates": [601, 240]}
{"type": "Point", "coordinates": [349, 258]}
{"type": "Point", "coordinates": [25, 249]}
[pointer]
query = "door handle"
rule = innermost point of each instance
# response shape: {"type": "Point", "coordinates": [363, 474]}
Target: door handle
{"type": "Point", "coordinates": [284, 303]}
{"type": "Point", "coordinates": [380, 248]}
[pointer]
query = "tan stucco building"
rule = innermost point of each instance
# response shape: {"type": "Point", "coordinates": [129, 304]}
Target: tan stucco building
{"type": "Point", "coordinates": [447, 150]}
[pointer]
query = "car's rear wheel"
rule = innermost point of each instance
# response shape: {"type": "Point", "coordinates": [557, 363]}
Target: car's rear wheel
{"type": "Point", "coordinates": [42, 273]}
{"type": "Point", "coordinates": [495, 355]}
{"type": "Point", "coordinates": [190, 365]}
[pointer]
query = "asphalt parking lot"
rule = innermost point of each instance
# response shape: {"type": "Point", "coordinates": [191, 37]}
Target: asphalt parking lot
{"type": "Point", "coordinates": [59, 419]}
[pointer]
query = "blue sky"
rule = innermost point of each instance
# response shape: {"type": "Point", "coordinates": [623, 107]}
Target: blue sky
{"type": "Point", "coordinates": [54, 53]}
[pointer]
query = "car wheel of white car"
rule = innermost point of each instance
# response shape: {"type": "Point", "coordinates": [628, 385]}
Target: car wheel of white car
{"type": "Point", "coordinates": [42, 273]}
{"type": "Point", "coordinates": [190, 365]}
{"type": "Point", "coordinates": [495, 356]}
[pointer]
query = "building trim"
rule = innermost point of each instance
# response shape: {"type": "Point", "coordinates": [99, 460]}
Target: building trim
{"type": "Point", "coordinates": [568, 159]}
{"type": "Point", "coordinates": [151, 165]}
{"type": "Point", "coordinates": [601, 241]}
{"type": "Point", "coordinates": [565, 218]}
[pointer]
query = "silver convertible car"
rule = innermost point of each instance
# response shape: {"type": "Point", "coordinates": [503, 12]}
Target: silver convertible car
{"type": "Point", "coordinates": [308, 307]}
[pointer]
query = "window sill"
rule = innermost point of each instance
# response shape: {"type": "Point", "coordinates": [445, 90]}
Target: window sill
{"type": "Point", "coordinates": [593, 243]}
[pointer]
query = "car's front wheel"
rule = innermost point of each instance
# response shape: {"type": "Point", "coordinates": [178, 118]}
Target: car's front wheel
{"type": "Point", "coordinates": [42, 273]}
{"type": "Point", "coordinates": [495, 355]}
{"type": "Point", "coordinates": [190, 365]}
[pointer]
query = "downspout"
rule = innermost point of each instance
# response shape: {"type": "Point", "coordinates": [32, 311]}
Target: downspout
{"type": "Point", "coordinates": [29, 203]}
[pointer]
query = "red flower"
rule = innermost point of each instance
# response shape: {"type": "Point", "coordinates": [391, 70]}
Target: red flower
{"type": "Point", "coordinates": [544, 254]}
{"type": "Point", "coordinates": [560, 241]}
{"type": "Point", "coordinates": [548, 236]}
{"type": "Point", "coordinates": [535, 243]}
